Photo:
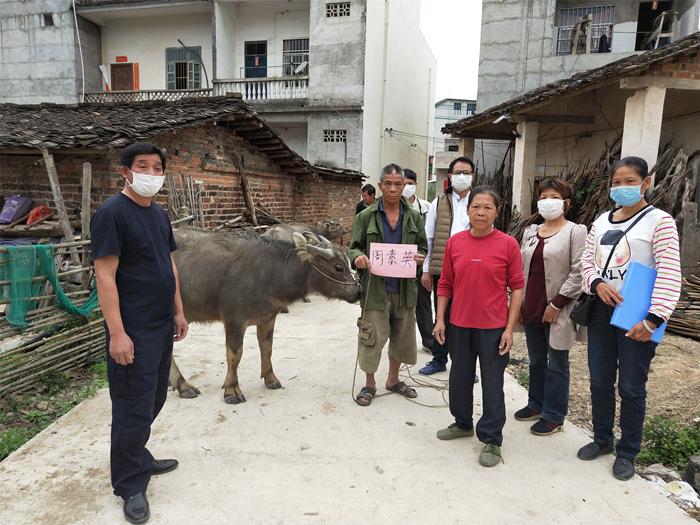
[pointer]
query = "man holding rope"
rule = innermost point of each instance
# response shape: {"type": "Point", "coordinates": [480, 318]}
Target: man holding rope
{"type": "Point", "coordinates": [388, 311]}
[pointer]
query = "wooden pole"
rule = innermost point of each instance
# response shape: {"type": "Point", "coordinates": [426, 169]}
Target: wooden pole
{"type": "Point", "coordinates": [63, 220]}
{"type": "Point", "coordinates": [85, 219]}
{"type": "Point", "coordinates": [246, 189]}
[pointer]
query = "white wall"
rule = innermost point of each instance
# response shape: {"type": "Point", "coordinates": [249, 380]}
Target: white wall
{"type": "Point", "coordinates": [294, 135]}
{"type": "Point", "coordinates": [144, 40]}
{"type": "Point", "coordinates": [399, 92]}
{"type": "Point", "coordinates": [272, 21]}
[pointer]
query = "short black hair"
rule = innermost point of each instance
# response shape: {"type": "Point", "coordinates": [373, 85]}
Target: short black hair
{"type": "Point", "coordinates": [369, 189]}
{"type": "Point", "coordinates": [410, 174]}
{"type": "Point", "coordinates": [129, 153]}
{"type": "Point", "coordinates": [469, 161]}
{"type": "Point", "coordinates": [486, 190]}
{"type": "Point", "coordinates": [638, 164]}
{"type": "Point", "coordinates": [389, 169]}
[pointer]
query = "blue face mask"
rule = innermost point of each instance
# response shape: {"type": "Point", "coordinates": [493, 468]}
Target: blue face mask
{"type": "Point", "coordinates": [626, 195]}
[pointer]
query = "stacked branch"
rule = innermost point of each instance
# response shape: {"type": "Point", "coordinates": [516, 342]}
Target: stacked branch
{"type": "Point", "coordinates": [185, 198]}
{"type": "Point", "coordinates": [54, 339]}
{"type": "Point", "coordinates": [686, 318]}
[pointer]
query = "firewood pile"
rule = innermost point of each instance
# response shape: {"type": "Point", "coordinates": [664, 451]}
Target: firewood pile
{"type": "Point", "coordinates": [686, 318]}
{"type": "Point", "coordinates": [244, 221]}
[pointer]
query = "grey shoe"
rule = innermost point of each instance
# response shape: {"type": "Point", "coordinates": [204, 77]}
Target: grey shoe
{"type": "Point", "coordinates": [454, 431]}
{"type": "Point", "coordinates": [490, 456]}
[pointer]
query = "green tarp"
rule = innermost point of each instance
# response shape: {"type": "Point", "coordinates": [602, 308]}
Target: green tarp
{"type": "Point", "coordinates": [19, 264]}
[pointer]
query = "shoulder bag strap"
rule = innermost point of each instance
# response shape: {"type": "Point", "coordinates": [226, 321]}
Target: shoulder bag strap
{"type": "Point", "coordinates": [612, 250]}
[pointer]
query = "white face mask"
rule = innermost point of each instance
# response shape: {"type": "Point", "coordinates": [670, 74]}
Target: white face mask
{"type": "Point", "coordinates": [550, 209]}
{"type": "Point", "coordinates": [146, 185]}
{"type": "Point", "coordinates": [461, 182]}
{"type": "Point", "coordinates": [409, 190]}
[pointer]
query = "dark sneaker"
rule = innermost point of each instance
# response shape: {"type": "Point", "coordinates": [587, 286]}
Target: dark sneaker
{"type": "Point", "coordinates": [527, 414]}
{"type": "Point", "coordinates": [593, 450]}
{"type": "Point", "coordinates": [545, 428]}
{"type": "Point", "coordinates": [490, 456]}
{"type": "Point", "coordinates": [454, 431]}
{"type": "Point", "coordinates": [432, 367]}
{"type": "Point", "coordinates": [623, 468]}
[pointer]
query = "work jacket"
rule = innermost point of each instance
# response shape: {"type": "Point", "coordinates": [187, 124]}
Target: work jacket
{"type": "Point", "coordinates": [367, 228]}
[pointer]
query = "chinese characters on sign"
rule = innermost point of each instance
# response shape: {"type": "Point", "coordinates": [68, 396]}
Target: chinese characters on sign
{"type": "Point", "coordinates": [393, 260]}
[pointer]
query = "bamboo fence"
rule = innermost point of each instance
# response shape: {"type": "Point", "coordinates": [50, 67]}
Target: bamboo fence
{"type": "Point", "coordinates": [54, 339]}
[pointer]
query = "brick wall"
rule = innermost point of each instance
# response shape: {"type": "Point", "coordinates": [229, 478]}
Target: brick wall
{"type": "Point", "coordinates": [687, 67]}
{"type": "Point", "coordinates": [206, 154]}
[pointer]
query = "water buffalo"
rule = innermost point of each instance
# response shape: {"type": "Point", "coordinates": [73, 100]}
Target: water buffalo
{"type": "Point", "coordinates": [243, 279]}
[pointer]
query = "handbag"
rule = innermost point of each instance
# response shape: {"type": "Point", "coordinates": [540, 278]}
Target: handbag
{"type": "Point", "coordinates": [581, 312]}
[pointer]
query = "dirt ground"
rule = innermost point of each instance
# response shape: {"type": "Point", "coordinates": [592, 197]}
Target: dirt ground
{"type": "Point", "coordinates": [673, 389]}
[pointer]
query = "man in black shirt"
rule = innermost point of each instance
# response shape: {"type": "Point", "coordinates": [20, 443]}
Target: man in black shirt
{"type": "Point", "coordinates": [368, 193]}
{"type": "Point", "coordinates": [139, 294]}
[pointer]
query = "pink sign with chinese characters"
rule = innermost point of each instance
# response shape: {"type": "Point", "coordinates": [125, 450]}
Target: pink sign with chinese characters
{"type": "Point", "coordinates": [393, 260]}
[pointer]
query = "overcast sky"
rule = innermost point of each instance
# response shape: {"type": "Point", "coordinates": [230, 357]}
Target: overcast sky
{"type": "Point", "coordinates": [453, 28]}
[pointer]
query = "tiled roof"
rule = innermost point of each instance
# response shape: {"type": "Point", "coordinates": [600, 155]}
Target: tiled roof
{"type": "Point", "coordinates": [115, 125]}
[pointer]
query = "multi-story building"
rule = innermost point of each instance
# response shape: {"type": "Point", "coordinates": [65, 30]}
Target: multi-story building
{"type": "Point", "coordinates": [526, 44]}
{"type": "Point", "coordinates": [445, 147]}
{"type": "Point", "coordinates": [329, 76]}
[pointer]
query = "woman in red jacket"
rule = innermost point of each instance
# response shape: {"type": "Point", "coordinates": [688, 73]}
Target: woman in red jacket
{"type": "Point", "coordinates": [479, 267]}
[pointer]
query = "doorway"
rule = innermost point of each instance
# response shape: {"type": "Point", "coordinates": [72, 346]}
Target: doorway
{"type": "Point", "coordinates": [122, 76]}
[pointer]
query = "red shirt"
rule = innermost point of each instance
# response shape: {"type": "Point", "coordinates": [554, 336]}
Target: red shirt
{"type": "Point", "coordinates": [476, 272]}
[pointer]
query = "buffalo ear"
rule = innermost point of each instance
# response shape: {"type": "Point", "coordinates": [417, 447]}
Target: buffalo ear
{"type": "Point", "coordinates": [302, 246]}
{"type": "Point", "coordinates": [311, 238]}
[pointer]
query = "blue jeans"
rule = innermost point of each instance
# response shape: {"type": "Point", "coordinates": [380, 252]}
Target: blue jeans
{"type": "Point", "coordinates": [609, 351]}
{"type": "Point", "coordinates": [549, 375]}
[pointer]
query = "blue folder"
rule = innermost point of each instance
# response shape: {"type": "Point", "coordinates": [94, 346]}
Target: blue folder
{"type": "Point", "coordinates": [636, 292]}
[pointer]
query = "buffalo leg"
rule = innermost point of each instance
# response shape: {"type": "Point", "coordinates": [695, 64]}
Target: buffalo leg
{"type": "Point", "coordinates": [265, 334]}
{"type": "Point", "coordinates": [234, 352]}
{"type": "Point", "coordinates": [178, 382]}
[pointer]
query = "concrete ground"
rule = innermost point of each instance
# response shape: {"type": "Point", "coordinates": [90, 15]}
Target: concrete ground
{"type": "Point", "coordinates": [308, 454]}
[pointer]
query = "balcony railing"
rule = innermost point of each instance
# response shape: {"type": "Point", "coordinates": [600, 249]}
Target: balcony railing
{"type": "Point", "coordinates": [264, 89]}
{"type": "Point", "coordinates": [146, 94]}
{"type": "Point", "coordinates": [251, 89]}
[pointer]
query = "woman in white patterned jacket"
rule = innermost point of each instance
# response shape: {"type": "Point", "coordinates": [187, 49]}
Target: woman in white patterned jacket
{"type": "Point", "coordinates": [632, 231]}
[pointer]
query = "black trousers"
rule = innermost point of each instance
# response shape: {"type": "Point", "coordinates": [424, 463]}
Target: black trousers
{"type": "Point", "coordinates": [465, 345]}
{"type": "Point", "coordinates": [424, 315]}
{"type": "Point", "coordinates": [138, 393]}
{"type": "Point", "coordinates": [440, 352]}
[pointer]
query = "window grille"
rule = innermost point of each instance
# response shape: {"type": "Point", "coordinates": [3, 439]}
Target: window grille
{"type": "Point", "coordinates": [294, 53]}
{"type": "Point", "coordinates": [602, 17]}
{"type": "Point", "coordinates": [336, 9]}
{"type": "Point", "coordinates": [335, 135]}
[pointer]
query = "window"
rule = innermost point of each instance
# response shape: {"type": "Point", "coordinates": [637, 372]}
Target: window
{"type": "Point", "coordinates": [335, 135]}
{"type": "Point", "coordinates": [602, 20]}
{"type": "Point", "coordinates": [183, 68]}
{"type": "Point", "coordinates": [47, 20]}
{"type": "Point", "coordinates": [336, 9]}
{"type": "Point", "coordinates": [453, 147]}
{"type": "Point", "coordinates": [457, 107]}
{"type": "Point", "coordinates": [294, 53]}
{"type": "Point", "coordinates": [471, 108]}
{"type": "Point", "coordinates": [256, 59]}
